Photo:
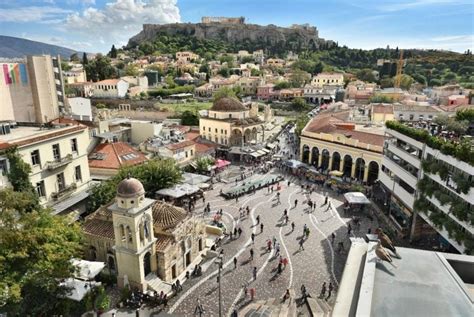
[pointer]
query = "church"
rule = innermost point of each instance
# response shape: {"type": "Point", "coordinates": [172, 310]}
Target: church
{"type": "Point", "coordinates": [143, 240]}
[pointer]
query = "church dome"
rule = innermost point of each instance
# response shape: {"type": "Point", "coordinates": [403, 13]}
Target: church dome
{"type": "Point", "coordinates": [166, 216]}
{"type": "Point", "coordinates": [226, 104]}
{"type": "Point", "coordinates": [130, 187]}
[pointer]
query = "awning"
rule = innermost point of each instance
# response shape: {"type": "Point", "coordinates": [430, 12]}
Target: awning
{"type": "Point", "coordinates": [293, 163]}
{"type": "Point", "coordinates": [71, 201]}
{"type": "Point", "coordinates": [178, 191]}
{"type": "Point", "coordinates": [356, 198]}
{"type": "Point", "coordinates": [78, 288]}
{"type": "Point", "coordinates": [266, 150]}
{"type": "Point", "coordinates": [271, 146]}
{"type": "Point", "coordinates": [194, 179]}
{"type": "Point", "coordinates": [222, 163]}
{"type": "Point", "coordinates": [336, 173]}
{"type": "Point", "coordinates": [87, 270]}
{"type": "Point", "coordinates": [256, 154]}
{"type": "Point", "coordinates": [261, 152]}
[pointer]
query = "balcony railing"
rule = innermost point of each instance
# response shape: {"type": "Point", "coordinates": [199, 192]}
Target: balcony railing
{"type": "Point", "coordinates": [66, 191]}
{"type": "Point", "coordinates": [52, 165]}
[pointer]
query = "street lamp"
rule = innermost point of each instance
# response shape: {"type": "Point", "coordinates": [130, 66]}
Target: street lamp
{"type": "Point", "coordinates": [219, 262]}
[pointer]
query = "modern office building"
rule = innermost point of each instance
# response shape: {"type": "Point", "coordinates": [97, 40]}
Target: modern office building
{"type": "Point", "coordinates": [32, 91]}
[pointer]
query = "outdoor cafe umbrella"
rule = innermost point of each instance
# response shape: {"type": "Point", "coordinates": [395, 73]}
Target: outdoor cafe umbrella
{"type": "Point", "coordinates": [336, 173]}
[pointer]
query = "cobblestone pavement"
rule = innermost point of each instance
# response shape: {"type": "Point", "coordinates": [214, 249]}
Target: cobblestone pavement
{"type": "Point", "coordinates": [319, 261]}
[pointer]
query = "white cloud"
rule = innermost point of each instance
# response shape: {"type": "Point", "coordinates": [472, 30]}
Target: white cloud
{"type": "Point", "coordinates": [32, 14]}
{"type": "Point", "coordinates": [120, 19]}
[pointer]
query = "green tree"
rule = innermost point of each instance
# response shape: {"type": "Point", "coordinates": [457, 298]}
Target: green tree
{"type": "Point", "coordinates": [35, 252]}
{"type": "Point", "coordinates": [113, 52]}
{"type": "Point", "coordinates": [131, 70]}
{"type": "Point", "coordinates": [100, 68]}
{"type": "Point", "coordinates": [301, 122]}
{"type": "Point", "coordinates": [299, 104]}
{"type": "Point", "coordinates": [74, 58]}
{"type": "Point", "coordinates": [19, 177]}
{"type": "Point", "coordinates": [435, 82]}
{"type": "Point", "coordinates": [224, 72]}
{"type": "Point", "coordinates": [155, 174]}
{"type": "Point", "coordinates": [255, 72]}
{"type": "Point", "coordinates": [380, 99]}
{"type": "Point", "coordinates": [85, 61]}
{"type": "Point", "coordinates": [367, 75]}
{"type": "Point", "coordinates": [386, 82]}
{"type": "Point", "coordinates": [189, 118]}
{"type": "Point", "coordinates": [282, 85]}
{"type": "Point", "coordinates": [224, 92]}
{"type": "Point", "coordinates": [203, 164]}
{"type": "Point", "coordinates": [297, 78]}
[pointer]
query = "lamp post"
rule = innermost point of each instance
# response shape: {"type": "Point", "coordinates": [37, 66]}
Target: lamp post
{"type": "Point", "coordinates": [219, 276]}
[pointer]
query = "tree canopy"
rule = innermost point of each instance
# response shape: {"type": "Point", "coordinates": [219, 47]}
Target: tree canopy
{"type": "Point", "coordinates": [156, 174]}
{"type": "Point", "coordinates": [224, 92]}
{"type": "Point", "coordinates": [35, 252]}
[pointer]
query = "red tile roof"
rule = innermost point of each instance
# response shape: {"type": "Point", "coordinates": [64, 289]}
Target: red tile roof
{"type": "Point", "coordinates": [180, 145]}
{"type": "Point", "coordinates": [115, 155]}
{"type": "Point", "coordinates": [163, 241]}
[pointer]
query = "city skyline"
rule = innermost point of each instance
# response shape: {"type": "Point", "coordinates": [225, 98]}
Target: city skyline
{"type": "Point", "coordinates": [81, 24]}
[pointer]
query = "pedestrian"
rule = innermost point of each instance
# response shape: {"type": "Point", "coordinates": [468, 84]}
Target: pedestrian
{"type": "Point", "coordinates": [285, 212]}
{"type": "Point", "coordinates": [340, 247]}
{"type": "Point", "coordinates": [261, 227]}
{"type": "Point", "coordinates": [289, 183]}
{"type": "Point", "coordinates": [333, 237]}
{"type": "Point", "coordinates": [329, 206]}
{"type": "Point", "coordinates": [258, 219]}
{"type": "Point", "coordinates": [304, 229]}
{"type": "Point", "coordinates": [252, 236]}
{"type": "Point", "coordinates": [369, 231]}
{"type": "Point", "coordinates": [236, 199]}
{"type": "Point", "coordinates": [292, 226]}
{"type": "Point", "coordinates": [326, 198]}
{"type": "Point", "coordinates": [323, 290]}
{"type": "Point", "coordinates": [253, 292]}
{"type": "Point", "coordinates": [235, 262]}
{"type": "Point", "coordinates": [254, 272]}
{"type": "Point", "coordinates": [246, 290]}
{"type": "Point", "coordinates": [286, 295]}
{"type": "Point", "coordinates": [301, 244]}
{"type": "Point", "coordinates": [240, 231]}
{"type": "Point", "coordinates": [287, 219]}
{"type": "Point", "coordinates": [269, 245]}
{"type": "Point", "coordinates": [296, 202]}
{"type": "Point", "coordinates": [274, 240]}
{"type": "Point", "coordinates": [251, 254]}
{"type": "Point", "coordinates": [277, 249]}
{"type": "Point", "coordinates": [330, 288]}
{"type": "Point", "coordinates": [349, 230]}
{"type": "Point", "coordinates": [235, 232]}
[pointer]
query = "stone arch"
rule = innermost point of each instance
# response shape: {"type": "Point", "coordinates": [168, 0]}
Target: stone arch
{"type": "Point", "coordinates": [236, 137]}
{"type": "Point", "coordinates": [314, 156]}
{"type": "Point", "coordinates": [336, 161]}
{"type": "Point", "coordinates": [305, 154]}
{"type": "Point", "coordinates": [247, 135]}
{"type": "Point", "coordinates": [111, 262]}
{"type": "Point", "coordinates": [373, 173]}
{"type": "Point", "coordinates": [254, 133]}
{"type": "Point", "coordinates": [325, 160]}
{"type": "Point", "coordinates": [92, 253]}
{"type": "Point", "coordinates": [347, 167]}
{"type": "Point", "coordinates": [359, 169]}
{"type": "Point", "coordinates": [147, 263]}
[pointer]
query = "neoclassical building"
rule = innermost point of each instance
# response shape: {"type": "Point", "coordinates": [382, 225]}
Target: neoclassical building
{"type": "Point", "coordinates": [330, 142]}
{"type": "Point", "coordinates": [230, 123]}
{"type": "Point", "coordinates": [142, 240]}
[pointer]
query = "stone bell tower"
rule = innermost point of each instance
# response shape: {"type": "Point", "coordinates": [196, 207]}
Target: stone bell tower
{"type": "Point", "coordinates": [134, 239]}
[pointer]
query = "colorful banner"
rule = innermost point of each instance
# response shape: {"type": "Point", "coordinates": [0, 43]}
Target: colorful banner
{"type": "Point", "coordinates": [15, 74]}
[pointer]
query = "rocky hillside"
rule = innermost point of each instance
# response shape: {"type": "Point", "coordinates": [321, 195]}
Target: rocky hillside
{"type": "Point", "coordinates": [14, 47]}
{"type": "Point", "coordinates": [239, 36]}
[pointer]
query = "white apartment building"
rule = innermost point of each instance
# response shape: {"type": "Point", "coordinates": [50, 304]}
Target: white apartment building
{"type": "Point", "coordinates": [403, 177]}
{"type": "Point", "coordinates": [332, 79]}
{"type": "Point", "coordinates": [110, 88]}
{"type": "Point", "coordinates": [58, 160]}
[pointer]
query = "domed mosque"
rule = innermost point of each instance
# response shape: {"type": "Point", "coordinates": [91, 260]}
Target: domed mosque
{"type": "Point", "coordinates": [144, 241]}
{"type": "Point", "coordinates": [230, 123]}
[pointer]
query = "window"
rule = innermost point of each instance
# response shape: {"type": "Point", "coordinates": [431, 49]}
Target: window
{"type": "Point", "coordinates": [3, 167]}
{"type": "Point", "coordinates": [192, 153]}
{"type": "Point", "coordinates": [60, 181]}
{"type": "Point", "coordinates": [222, 131]}
{"type": "Point", "coordinates": [209, 129]}
{"type": "Point", "coordinates": [225, 132]}
{"type": "Point", "coordinates": [230, 115]}
{"type": "Point", "coordinates": [35, 158]}
{"type": "Point", "coordinates": [78, 174]}
{"type": "Point", "coordinates": [216, 130]}
{"type": "Point", "coordinates": [40, 190]}
{"type": "Point", "coordinates": [204, 128]}
{"type": "Point", "coordinates": [74, 145]}
{"type": "Point", "coordinates": [56, 153]}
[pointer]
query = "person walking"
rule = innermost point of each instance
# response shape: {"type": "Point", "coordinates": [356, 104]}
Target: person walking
{"type": "Point", "coordinates": [304, 229]}
{"type": "Point", "coordinates": [301, 244]}
{"type": "Point", "coordinates": [254, 273]}
{"type": "Point", "coordinates": [269, 245]}
{"type": "Point", "coordinates": [258, 219]}
{"type": "Point", "coordinates": [333, 237]}
{"type": "Point", "coordinates": [349, 230]}
{"type": "Point", "coordinates": [292, 226]}
{"type": "Point", "coordinates": [330, 288]}
{"type": "Point", "coordinates": [296, 202]}
{"type": "Point", "coordinates": [329, 206]}
{"type": "Point", "coordinates": [326, 198]}
{"type": "Point", "coordinates": [261, 227]}
{"type": "Point", "coordinates": [274, 240]}
{"type": "Point", "coordinates": [277, 249]}
{"type": "Point", "coordinates": [252, 236]}
{"type": "Point", "coordinates": [235, 263]}
{"type": "Point", "coordinates": [323, 290]}
{"type": "Point", "coordinates": [251, 254]}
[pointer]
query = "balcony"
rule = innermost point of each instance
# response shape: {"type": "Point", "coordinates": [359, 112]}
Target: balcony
{"type": "Point", "coordinates": [443, 232]}
{"type": "Point", "coordinates": [404, 138]}
{"type": "Point", "coordinates": [52, 165]}
{"type": "Point", "coordinates": [410, 158]}
{"type": "Point", "coordinates": [407, 198]}
{"type": "Point", "coordinates": [402, 173]}
{"type": "Point", "coordinates": [65, 192]}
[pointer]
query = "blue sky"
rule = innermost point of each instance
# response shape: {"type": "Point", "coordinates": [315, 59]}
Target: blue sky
{"type": "Point", "coordinates": [94, 25]}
